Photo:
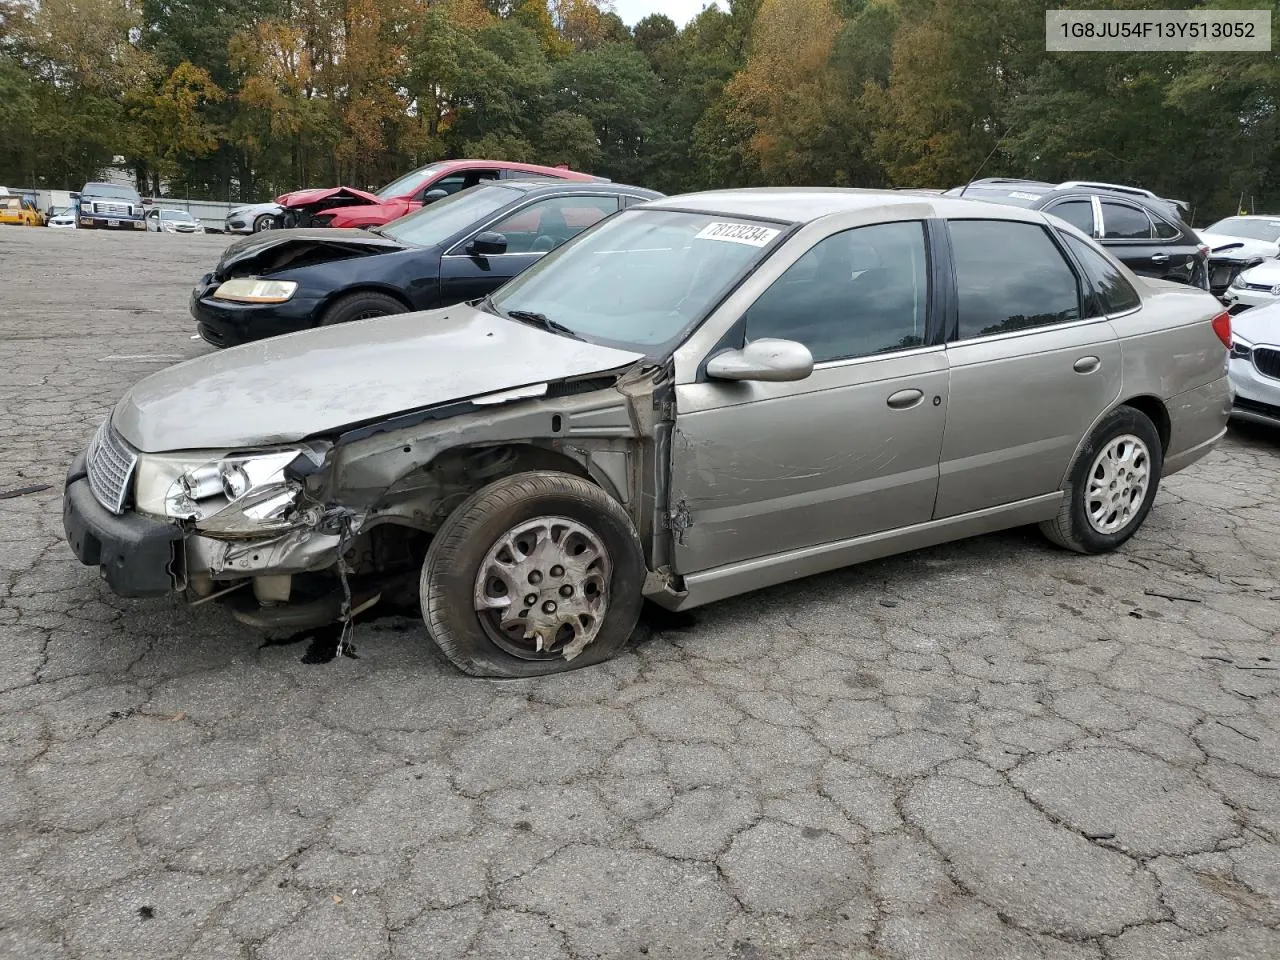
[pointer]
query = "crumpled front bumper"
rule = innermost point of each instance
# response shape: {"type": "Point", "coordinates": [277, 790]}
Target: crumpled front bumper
{"type": "Point", "coordinates": [138, 556]}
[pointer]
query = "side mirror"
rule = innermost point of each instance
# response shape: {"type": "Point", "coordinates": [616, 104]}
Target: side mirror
{"type": "Point", "coordinates": [766, 360]}
{"type": "Point", "coordinates": [487, 244]}
{"type": "Point", "coordinates": [431, 196]}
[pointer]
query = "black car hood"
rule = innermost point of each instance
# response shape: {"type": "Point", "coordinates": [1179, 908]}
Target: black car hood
{"type": "Point", "coordinates": [273, 250]}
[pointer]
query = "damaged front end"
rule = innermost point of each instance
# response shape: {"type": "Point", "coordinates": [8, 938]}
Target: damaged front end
{"type": "Point", "coordinates": [305, 207]}
{"type": "Point", "coordinates": [304, 534]}
{"type": "Point", "coordinates": [267, 253]}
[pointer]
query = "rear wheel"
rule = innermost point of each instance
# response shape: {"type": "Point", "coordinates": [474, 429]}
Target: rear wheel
{"type": "Point", "coordinates": [536, 573]}
{"type": "Point", "coordinates": [361, 306]}
{"type": "Point", "coordinates": [1111, 485]}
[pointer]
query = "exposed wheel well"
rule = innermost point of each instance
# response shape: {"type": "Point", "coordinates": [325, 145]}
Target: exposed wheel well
{"type": "Point", "coordinates": [1155, 411]}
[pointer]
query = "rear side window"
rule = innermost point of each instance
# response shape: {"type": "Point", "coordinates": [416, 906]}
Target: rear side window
{"type": "Point", "coordinates": [1078, 213]}
{"type": "Point", "coordinates": [1117, 293]}
{"type": "Point", "coordinates": [1123, 222]}
{"type": "Point", "coordinates": [1164, 229]}
{"type": "Point", "coordinates": [1010, 276]}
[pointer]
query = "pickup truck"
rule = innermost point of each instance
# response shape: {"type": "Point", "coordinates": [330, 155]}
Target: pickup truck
{"type": "Point", "coordinates": [111, 206]}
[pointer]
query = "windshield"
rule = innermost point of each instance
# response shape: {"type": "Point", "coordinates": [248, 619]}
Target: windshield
{"type": "Point", "coordinates": [176, 215]}
{"type": "Point", "coordinates": [398, 188]}
{"type": "Point", "coordinates": [110, 190]}
{"type": "Point", "coordinates": [1268, 230]}
{"type": "Point", "coordinates": [642, 278]}
{"type": "Point", "coordinates": [437, 222]}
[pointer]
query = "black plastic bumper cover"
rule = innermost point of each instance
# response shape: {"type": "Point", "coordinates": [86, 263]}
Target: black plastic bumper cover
{"type": "Point", "coordinates": [138, 557]}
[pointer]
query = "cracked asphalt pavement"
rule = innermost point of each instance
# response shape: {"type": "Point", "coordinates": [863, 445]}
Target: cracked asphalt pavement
{"type": "Point", "coordinates": [992, 749]}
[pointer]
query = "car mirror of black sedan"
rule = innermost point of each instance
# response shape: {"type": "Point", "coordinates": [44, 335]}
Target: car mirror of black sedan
{"type": "Point", "coordinates": [487, 244]}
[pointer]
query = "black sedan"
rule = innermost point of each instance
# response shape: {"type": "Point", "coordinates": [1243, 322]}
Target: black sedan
{"type": "Point", "coordinates": [460, 248]}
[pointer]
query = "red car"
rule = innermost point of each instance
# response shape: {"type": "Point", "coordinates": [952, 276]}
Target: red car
{"type": "Point", "coordinates": [349, 207]}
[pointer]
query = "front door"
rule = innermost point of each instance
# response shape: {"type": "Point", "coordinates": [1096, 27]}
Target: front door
{"type": "Point", "coordinates": [1031, 370]}
{"type": "Point", "coordinates": [761, 468]}
{"type": "Point", "coordinates": [532, 231]}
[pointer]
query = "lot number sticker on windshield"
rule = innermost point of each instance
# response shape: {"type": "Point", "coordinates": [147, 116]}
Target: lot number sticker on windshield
{"type": "Point", "coordinates": [747, 233]}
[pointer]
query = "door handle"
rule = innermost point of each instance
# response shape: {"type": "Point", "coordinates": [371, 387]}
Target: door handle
{"type": "Point", "coordinates": [1159, 257]}
{"type": "Point", "coordinates": [1086, 365]}
{"type": "Point", "coordinates": [905, 399]}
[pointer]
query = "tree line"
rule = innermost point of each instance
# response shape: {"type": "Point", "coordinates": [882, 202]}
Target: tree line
{"type": "Point", "coordinates": [244, 99]}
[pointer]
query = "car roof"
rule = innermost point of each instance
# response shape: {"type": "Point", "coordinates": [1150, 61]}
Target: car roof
{"type": "Point", "coordinates": [554, 185]}
{"type": "Point", "coordinates": [465, 164]}
{"type": "Point", "coordinates": [806, 204]}
{"type": "Point", "coordinates": [1250, 216]}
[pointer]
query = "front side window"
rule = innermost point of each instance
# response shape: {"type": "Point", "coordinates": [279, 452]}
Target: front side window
{"type": "Point", "coordinates": [857, 293]}
{"type": "Point", "coordinates": [543, 226]}
{"type": "Point", "coordinates": [640, 280]}
{"type": "Point", "coordinates": [1123, 222]}
{"type": "Point", "coordinates": [1009, 276]}
{"type": "Point", "coordinates": [1078, 213]}
{"type": "Point", "coordinates": [1117, 293]}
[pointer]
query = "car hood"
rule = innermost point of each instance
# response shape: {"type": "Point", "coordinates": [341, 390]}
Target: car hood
{"type": "Point", "coordinates": [1259, 325]}
{"type": "Point", "coordinates": [1267, 272]}
{"type": "Point", "coordinates": [272, 250]}
{"type": "Point", "coordinates": [253, 209]}
{"type": "Point", "coordinates": [302, 198]}
{"type": "Point", "coordinates": [1247, 250]}
{"type": "Point", "coordinates": [283, 389]}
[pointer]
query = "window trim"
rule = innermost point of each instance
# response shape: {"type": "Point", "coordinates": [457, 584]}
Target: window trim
{"type": "Point", "coordinates": [1084, 287]}
{"type": "Point", "coordinates": [932, 339]}
{"type": "Point", "coordinates": [454, 250]}
{"type": "Point", "coordinates": [1102, 223]}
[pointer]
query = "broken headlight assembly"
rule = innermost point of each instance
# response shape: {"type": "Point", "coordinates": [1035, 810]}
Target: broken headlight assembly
{"type": "Point", "coordinates": [234, 494]}
{"type": "Point", "coordinates": [255, 290]}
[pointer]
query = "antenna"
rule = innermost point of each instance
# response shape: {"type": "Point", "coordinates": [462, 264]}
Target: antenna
{"type": "Point", "coordinates": [984, 161]}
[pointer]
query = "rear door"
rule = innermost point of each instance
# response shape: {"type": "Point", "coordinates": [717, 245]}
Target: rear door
{"type": "Point", "coordinates": [532, 231]}
{"type": "Point", "coordinates": [1033, 364]}
{"type": "Point", "coordinates": [1130, 234]}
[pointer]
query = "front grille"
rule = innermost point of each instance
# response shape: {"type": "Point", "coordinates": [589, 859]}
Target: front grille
{"type": "Point", "coordinates": [114, 209]}
{"type": "Point", "coordinates": [1267, 360]}
{"type": "Point", "coordinates": [110, 463]}
{"type": "Point", "coordinates": [1254, 406]}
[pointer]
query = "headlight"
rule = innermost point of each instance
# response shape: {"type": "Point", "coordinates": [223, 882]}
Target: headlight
{"type": "Point", "coordinates": [1275, 291]}
{"type": "Point", "coordinates": [1240, 349]}
{"type": "Point", "coordinates": [254, 290]}
{"type": "Point", "coordinates": [241, 494]}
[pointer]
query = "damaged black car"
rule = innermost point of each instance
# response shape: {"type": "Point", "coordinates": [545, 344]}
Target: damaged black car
{"type": "Point", "coordinates": [460, 248]}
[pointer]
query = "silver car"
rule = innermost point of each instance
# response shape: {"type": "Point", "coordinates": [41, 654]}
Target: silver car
{"type": "Point", "coordinates": [254, 218]}
{"type": "Point", "coordinates": [699, 396]}
{"type": "Point", "coordinates": [1255, 365]}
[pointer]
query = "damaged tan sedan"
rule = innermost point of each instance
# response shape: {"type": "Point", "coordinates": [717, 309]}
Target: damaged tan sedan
{"type": "Point", "coordinates": [700, 396]}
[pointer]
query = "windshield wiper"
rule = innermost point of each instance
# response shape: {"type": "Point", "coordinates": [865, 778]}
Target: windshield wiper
{"type": "Point", "coordinates": [535, 319]}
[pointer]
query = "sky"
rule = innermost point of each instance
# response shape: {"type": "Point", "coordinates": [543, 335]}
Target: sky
{"type": "Point", "coordinates": [681, 11]}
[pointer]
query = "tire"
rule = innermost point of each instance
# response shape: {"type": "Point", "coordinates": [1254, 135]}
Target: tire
{"type": "Point", "coordinates": [1072, 528]}
{"type": "Point", "coordinates": [361, 306]}
{"type": "Point", "coordinates": [545, 501]}
{"type": "Point", "coordinates": [264, 221]}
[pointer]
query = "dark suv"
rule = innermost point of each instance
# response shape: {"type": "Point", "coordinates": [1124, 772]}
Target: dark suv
{"type": "Point", "coordinates": [110, 206]}
{"type": "Point", "coordinates": [1144, 231]}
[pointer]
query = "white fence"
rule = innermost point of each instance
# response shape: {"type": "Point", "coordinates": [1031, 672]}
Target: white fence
{"type": "Point", "coordinates": [209, 212]}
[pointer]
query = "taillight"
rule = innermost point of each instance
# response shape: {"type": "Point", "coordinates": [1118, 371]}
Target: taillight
{"type": "Point", "coordinates": [1222, 327]}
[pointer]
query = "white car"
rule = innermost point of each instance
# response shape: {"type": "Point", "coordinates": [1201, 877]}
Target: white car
{"type": "Point", "coordinates": [1256, 287]}
{"type": "Point", "coordinates": [64, 219]}
{"type": "Point", "coordinates": [254, 218]}
{"type": "Point", "coordinates": [173, 221]}
{"type": "Point", "coordinates": [1255, 365]}
{"type": "Point", "coordinates": [1259, 236]}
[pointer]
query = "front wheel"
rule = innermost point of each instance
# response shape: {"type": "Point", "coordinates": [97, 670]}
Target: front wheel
{"type": "Point", "coordinates": [361, 305]}
{"type": "Point", "coordinates": [1111, 485]}
{"type": "Point", "coordinates": [536, 573]}
{"type": "Point", "coordinates": [265, 222]}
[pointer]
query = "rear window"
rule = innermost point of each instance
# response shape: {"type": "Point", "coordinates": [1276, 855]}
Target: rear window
{"type": "Point", "coordinates": [11, 203]}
